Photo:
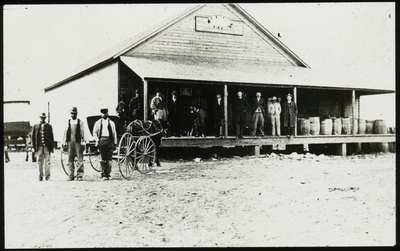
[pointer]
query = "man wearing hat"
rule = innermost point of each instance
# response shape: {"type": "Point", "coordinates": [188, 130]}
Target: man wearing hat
{"type": "Point", "coordinates": [258, 114]}
{"type": "Point", "coordinates": [274, 110]}
{"type": "Point", "coordinates": [42, 145]}
{"type": "Point", "coordinates": [199, 107]}
{"type": "Point", "coordinates": [74, 142]}
{"type": "Point", "coordinates": [174, 111]}
{"type": "Point", "coordinates": [158, 106]}
{"type": "Point", "coordinates": [134, 106]}
{"type": "Point", "coordinates": [105, 135]}
{"type": "Point", "coordinates": [240, 106]}
{"type": "Point", "coordinates": [289, 115]}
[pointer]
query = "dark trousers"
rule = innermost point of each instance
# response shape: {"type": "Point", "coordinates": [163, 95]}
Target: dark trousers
{"type": "Point", "coordinates": [105, 147]}
{"type": "Point", "coordinates": [240, 123]}
{"type": "Point", "coordinates": [289, 130]}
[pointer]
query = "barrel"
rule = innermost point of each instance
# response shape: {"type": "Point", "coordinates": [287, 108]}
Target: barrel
{"type": "Point", "coordinates": [380, 126]}
{"type": "Point", "coordinates": [336, 126]}
{"type": "Point", "coordinates": [361, 126]}
{"type": "Point", "coordinates": [326, 126]}
{"type": "Point", "coordinates": [346, 128]}
{"type": "Point", "coordinates": [303, 126]}
{"type": "Point", "coordinates": [369, 126]}
{"type": "Point", "coordinates": [355, 127]}
{"type": "Point", "coordinates": [314, 125]}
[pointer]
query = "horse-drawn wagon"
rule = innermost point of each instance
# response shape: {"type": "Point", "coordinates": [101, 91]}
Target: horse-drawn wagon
{"type": "Point", "coordinates": [137, 146]}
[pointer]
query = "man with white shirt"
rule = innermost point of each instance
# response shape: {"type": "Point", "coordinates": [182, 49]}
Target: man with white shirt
{"type": "Point", "coordinates": [105, 135]}
{"type": "Point", "coordinates": [74, 141]}
{"type": "Point", "coordinates": [258, 114]}
{"type": "Point", "coordinates": [274, 111]}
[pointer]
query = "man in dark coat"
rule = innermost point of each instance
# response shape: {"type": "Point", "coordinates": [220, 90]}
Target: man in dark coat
{"type": "Point", "coordinates": [258, 113]}
{"type": "Point", "coordinates": [289, 115]}
{"type": "Point", "coordinates": [240, 106]}
{"type": "Point", "coordinates": [219, 116]}
{"type": "Point", "coordinates": [199, 106]}
{"type": "Point", "coordinates": [134, 107]}
{"type": "Point", "coordinates": [42, 144]}
{"type": "Point", "coordinates": [174, 110]}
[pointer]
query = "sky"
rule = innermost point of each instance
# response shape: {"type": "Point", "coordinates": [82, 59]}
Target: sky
{"type": "Point", "coordinates": [354, 42]}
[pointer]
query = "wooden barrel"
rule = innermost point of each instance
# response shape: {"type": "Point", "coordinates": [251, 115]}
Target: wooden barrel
{"type": "Point", "coordinates": [336, 126]}
{"type": "Point", "coordinates": [314, 125]}
{"type": "Point", "coordinates": [303, 126]}
{"type": "Point", "coordinates": [346, 128]}
{"type": "Point", "coordinates": [380, 126]}
{"type": "Point", "coordinates": [326, 126]}
{"type": "Point", "coordinates": [369, 126]}
{"type": "Point", "coordinates": [361, 126]}
{"type": "Point", "coordinates": [355, 127]}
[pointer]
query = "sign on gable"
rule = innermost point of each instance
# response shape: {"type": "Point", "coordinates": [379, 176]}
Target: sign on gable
{"type": "Point", "coordinates": [219, 24]}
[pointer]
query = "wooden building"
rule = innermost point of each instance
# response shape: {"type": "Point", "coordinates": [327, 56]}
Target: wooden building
{"type": "Point", "coordinates": [216, 48]}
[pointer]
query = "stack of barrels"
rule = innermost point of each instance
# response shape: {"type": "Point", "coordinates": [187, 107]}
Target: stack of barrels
{"type": "Point", "coordinates": [338, 126]}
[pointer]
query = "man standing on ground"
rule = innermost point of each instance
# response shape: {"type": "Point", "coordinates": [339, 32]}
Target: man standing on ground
{"type": "Point", "coordinates": [42, 144]}
{"type": "Point", "coordinates": [74, 141]}
{"type": "Point", "coordinates": [105, 136]}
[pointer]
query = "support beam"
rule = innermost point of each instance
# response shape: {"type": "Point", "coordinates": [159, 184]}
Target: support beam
{"type": "Point", "coordinates": [145, 100]}
{"type": "Point", "coordinates": [344, 149]}
{"type": "Point", "coordinates": [295, 100]}
{"type": "Point", "coordinates": [226, 110]}
{"type": "Point", "coordinates": [353, 101]}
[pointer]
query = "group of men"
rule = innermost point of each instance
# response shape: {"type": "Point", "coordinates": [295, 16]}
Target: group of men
{"type": "Point", "coordinates": [171, 111]}
{"type": "Point", "coordinates": [104, 133]}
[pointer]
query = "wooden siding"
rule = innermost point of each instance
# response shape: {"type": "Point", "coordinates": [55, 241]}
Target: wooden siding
{"type": "Point", "coordinates": [89, 94]}
{"type": "Point", "coordinates": [183, 41]}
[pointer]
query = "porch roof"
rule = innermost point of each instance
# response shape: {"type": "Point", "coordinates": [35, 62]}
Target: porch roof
{"type": "Point", "coordinates": [235, 72]}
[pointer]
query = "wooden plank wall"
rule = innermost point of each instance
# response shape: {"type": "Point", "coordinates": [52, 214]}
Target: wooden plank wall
{"type": "Point", "coordinates": [183, 41]}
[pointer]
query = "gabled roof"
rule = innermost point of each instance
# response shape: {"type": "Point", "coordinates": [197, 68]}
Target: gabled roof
{"type": "Point", "coordinates": [119, 49]}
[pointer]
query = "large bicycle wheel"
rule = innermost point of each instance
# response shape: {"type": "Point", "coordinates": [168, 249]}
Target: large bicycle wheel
{"type": "Point", "coordinates": [95, 159]}
{"type": "Point", "coordinates": [145, 154]}
{"type": "Point", "coordinates": [126, 155]}
{"type": "Point", "coordinates": [64, 161]}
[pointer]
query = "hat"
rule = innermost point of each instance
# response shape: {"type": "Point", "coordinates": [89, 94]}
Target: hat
{"type": "Point", "coordinates": [174, 93]}
{"type": "Point", "coordinates": [239, 90]}
{"type": "Point", "coordinates": [137, 91]}
{"type": "Point", "coordinates": [74, 110]}
{"type": "Point", "coordinates": [157, 90]}
{"type": "Point", "coordinates": [289, 95]}
{"type": "Point", "coordinates": [43, 115]}
{"type": "Point", "coordinates": [273, 98]}
{"type": "Point", "coordinates": [104, 110]}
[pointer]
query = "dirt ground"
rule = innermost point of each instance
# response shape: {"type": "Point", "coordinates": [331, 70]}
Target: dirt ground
{"type": "Point", "coordinates": [273, 200]}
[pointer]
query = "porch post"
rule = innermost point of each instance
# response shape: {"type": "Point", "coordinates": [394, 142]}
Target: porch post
{"type": "Point", "coordinates": [353, 100]}
{"type": "Point", "coordinates": [295, 100]}
{"type": "Point", "coordinates": [145, 100]}
{"type": "Point", "coordinates": [226, 110]}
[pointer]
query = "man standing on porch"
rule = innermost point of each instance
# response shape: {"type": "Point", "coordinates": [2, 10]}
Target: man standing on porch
{"type": "Point", "coordinates": [274, 111]}
{"type": "Point", "coordinates": [258, 114]}
{"type": "Point", "coordinates": [174, 115]}
{"type": "Point", "coordinates": [289, 115]}
{"type": "Point", "coordinates": [158, 106]}
{"type": "Point", "coordinates": [239, 113]}
{"type": "Point", "coordinates": [199, 106]}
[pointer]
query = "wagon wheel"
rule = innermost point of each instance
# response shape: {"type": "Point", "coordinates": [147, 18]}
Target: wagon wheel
{"type": "Point", "coordinates": [64, 160]}
{"type": "Point", "coordinates": [126, 155]}
{"type": "Point", "coordinates": [95, 159]}
{"type": "Point", "coordinates": [145, 154]}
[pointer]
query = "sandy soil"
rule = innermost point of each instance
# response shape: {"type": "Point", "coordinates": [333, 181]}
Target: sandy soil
{"type": "Point", "coordinates": [271, 200]}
